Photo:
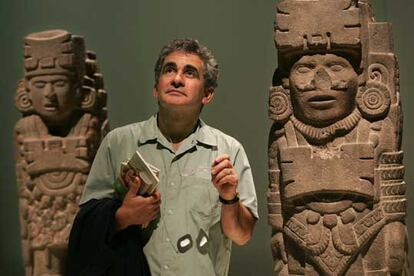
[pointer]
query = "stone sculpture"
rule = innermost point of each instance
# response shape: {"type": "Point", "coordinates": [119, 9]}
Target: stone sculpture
{"type": "Point", "coordinates": [63, 104]}
{"type": "Point", "coordinates": [336, 197]}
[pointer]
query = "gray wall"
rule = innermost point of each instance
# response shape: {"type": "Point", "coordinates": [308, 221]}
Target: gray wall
{"type": "Point", "coordinates": [127, 35]}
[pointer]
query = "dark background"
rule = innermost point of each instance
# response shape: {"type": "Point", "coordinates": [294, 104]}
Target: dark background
{"type": "Point", "coordinates": [127, 36]}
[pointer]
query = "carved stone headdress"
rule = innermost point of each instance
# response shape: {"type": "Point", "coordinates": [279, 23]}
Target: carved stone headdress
{"type": "Point", "coordinates": [54, 52]}
{"type": "Point", "coordinates": [304, 27]}
{"type": "Point", "coordinates": [345, 27]}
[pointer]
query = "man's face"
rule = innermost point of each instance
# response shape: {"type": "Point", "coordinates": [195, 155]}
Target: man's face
{"type": "Point", "coordinates": [181, 82]}
{"type": "Point", "coordinates": [53, 97]}
{"type": "Point", "coordinates": [323, 89]}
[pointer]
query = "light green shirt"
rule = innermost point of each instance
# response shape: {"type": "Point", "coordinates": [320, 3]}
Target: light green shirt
{"type": "Point", "coordinates": [189, 239]}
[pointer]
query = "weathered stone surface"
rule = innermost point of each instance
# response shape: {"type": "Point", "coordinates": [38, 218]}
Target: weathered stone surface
{"type": "Point", "coordinates": [336, 197]}
{"type": "Point", "coordinates": [63, 104]}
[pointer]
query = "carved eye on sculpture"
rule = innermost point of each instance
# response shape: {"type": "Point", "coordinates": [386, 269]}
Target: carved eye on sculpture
{"type": "Point", "coordinates": [39, 84]}
{"type": "Point", "coordinates": [336, 67]}
{"type": "Point", "coordinates": [60, 83]}
{"type": "Point", "coordinates": [304, 68]}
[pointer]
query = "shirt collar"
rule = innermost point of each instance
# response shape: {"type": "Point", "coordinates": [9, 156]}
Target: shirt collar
{"type": "Point", "coordinates": [205, 135]}
{"type": "Point", "coordinates": [150, 132]}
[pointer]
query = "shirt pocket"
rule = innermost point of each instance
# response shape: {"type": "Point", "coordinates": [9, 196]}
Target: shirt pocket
{"type": "Point", "coordinates": [201, 201]}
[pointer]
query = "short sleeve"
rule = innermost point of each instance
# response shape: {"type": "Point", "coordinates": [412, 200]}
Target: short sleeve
{"type": "Point", "coordinates": [246, 189]}
{"type": "Point", "coordinates": [102, 174]}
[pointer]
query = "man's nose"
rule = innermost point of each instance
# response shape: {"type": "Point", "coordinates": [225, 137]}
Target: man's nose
{"type": "Point", "coordinates": [178, 80]}
{"type": "Point", "coordinates": [322, 79]}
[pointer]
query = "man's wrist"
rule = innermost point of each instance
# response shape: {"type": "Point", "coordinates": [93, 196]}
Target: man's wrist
{"type": "Point", "coordinates": [229, 201]}
{"type": "Point", "coordinates": [120, 220]}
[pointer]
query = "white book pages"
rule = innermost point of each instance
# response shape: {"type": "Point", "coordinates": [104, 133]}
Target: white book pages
{"type": "Point", "coordinates": [148, 173]}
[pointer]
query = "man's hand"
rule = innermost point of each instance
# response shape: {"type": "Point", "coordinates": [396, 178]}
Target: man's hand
{"type": "Point", "coordinates": [224, 177]}
{"type": "Point", "coordinates": [236, 220]}
{"type": "Point", "coordinates": [136, 209]}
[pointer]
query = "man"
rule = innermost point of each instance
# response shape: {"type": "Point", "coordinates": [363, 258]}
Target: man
{"type": "Point", "coordinates": [206, 196]}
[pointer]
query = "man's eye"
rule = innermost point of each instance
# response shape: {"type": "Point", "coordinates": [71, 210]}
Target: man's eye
{"type": "Point", "coordinates": [168, 70]}
{"type": "Point", "coordinates": [303, 69]}
{"type": "Point", "coordinates": [190, 73]}
{"type": "Point", "coordinates": [39, 84]}
{"type": "Point", "coordinates": [336, 67]}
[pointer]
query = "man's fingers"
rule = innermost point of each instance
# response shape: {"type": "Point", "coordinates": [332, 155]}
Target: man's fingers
{"type": "Point", "coordinates": [151, 200]}
{"type": "Point", "coordinates": [154, 198]}
{"type": "Point", "coordinates": [153, 212]}
{"type": "Point", "coordinates": [156, 209]}
{"type": "Point", "coordinates": [228, 179]}
{"type": "Point", "coordinates": [154, 215]}
{"type": "Point", "coordinates": [220, 158]}
{"type": "Point", "coordinates": [156, 195]}
{"type": "Point", "coordinates": [223, 173]}
{"type": "Point", "coordinates": [134, 184]}
{"type": "Point", "coordinates": [128, 176]}
{"type": "Point", "coordinates": [224, 164]}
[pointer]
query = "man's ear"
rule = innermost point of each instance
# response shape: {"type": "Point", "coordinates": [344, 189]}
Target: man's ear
{"type": "Point", "coordinates": [155, 92]}
{"type": "Point", "coordinates": [208, 95]}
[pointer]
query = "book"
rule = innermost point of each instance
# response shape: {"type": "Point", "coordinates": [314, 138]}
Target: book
{"type": "Point", "coordinates": [147, 172]}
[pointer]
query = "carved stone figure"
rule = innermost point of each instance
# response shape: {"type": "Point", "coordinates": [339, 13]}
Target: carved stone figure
{"type": "Point", "coordinates": [336, 197]}
{"type": "Point", "coordinates": [64, 119]}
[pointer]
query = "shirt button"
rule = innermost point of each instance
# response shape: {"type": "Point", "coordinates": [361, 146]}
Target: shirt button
{"type": "Point", "coordinates": [170, 212]}
{"type": "Point", "coordinates": [166, 267]}
{"type": "Point", "coordinates": [172, 184]}
{"type": "Point", "coordinates": [167, 239]}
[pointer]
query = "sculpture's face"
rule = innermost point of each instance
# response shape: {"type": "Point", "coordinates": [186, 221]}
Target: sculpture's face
{"type": "Point", "coordinates": [323, 88]}
{"type": "Point", "coordinates": [53, 97]}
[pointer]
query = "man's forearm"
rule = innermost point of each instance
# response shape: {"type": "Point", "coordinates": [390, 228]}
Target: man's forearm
{"type": "Point", "coordinates": [237, 222]}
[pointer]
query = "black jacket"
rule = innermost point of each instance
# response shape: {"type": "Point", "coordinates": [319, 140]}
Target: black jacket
{"type": "Point", "coordinates": [95, 249]}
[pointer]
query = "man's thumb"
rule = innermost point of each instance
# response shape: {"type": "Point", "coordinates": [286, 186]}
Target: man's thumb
{"type": "Point", "coordinates": [134, 185]}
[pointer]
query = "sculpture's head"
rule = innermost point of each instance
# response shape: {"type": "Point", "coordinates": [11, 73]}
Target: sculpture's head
{"type": "Point", "coordinates": [325, 71]}
{"type": "Point", "coordinates": [54, 72]}
{"type": "Point", "coordinates": [322, 88]}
